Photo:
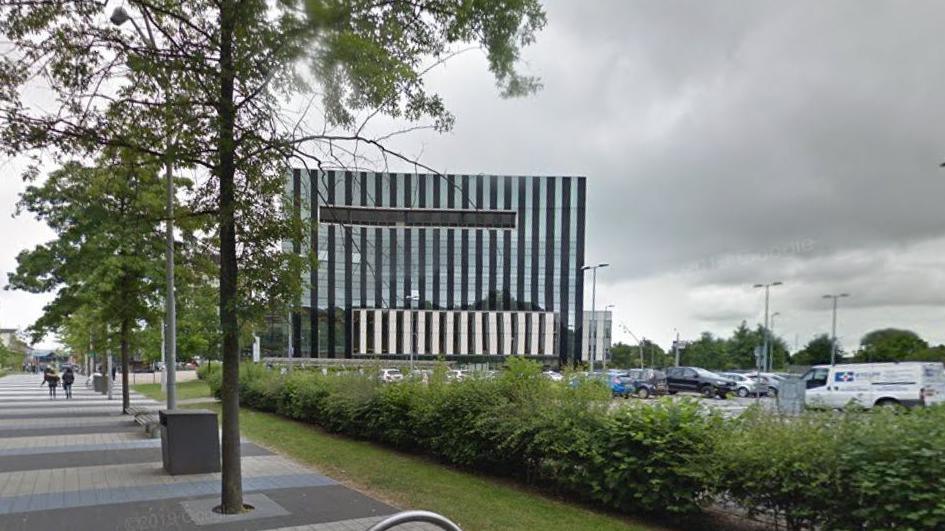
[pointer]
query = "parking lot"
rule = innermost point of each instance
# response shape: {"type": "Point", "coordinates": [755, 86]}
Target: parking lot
{"type": "Point", "coordinates": [729, 407]}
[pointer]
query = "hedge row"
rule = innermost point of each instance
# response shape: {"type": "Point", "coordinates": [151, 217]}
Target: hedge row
{"type": "Point", "coordinates": [856, 471]}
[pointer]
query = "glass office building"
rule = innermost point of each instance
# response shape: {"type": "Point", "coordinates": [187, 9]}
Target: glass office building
{"type": "Point", "coordinates": [463, 266]}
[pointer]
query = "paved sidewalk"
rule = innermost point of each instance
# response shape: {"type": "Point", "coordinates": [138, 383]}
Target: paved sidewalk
{"type": "Point", "coordinates": [80, 465]}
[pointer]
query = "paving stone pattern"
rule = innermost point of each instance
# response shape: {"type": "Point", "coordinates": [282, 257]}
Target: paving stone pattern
{"type": "Point", "coordinates": [80, 465]}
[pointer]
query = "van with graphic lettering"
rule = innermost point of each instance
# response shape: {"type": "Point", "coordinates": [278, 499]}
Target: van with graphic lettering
{"type": "Point", "coordinates": [908, 383]}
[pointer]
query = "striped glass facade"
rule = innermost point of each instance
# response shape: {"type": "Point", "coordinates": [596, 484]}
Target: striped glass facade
{"type": "Point", "coordinates": [439, 242]}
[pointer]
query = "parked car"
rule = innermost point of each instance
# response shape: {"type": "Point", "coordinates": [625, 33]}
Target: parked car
{"type": "Point", "coordinates": [772, 380]}
{"type": "Point", "coordinates": [697, 380]}
{"type": "Point", "coordinates": [745, 385]}
{"type": "Point", "coordinates": [391, 375]}
{"type": "Point", "coordinates": [647, 382]}
{"type": "Point", "coordinates": [457, 374]}
{"type": "Point", "coordinates": [554, 376]}
{"type": "Point", "coordinates": [875, 384]}
{"type": "Point", "coordinates": [621, 385]}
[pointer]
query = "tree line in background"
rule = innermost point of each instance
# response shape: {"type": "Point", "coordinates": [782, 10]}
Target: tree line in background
{"type": "Point", "coordinates": [738, 351]}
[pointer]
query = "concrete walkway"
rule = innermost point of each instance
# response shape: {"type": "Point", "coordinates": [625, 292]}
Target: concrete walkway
{"type": "Point", "coordinates": [80, 465]}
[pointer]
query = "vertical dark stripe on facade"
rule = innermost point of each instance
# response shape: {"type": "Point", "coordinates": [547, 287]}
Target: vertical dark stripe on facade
{"type": "Point", "coordinates": [422, 243]}
{"type": "Point", "coordinates": [522, 215]}
{"type": "Point", "coordinates": [349, 198]}
{"type": "Point", "coordinates": [550, 244]}
{"type": "Point", "coordinates": [362, 246]}
{"type": "Point", "coordinates": [408, 233]}
{"type": "Point", "coordinates": [378, 276]}
{"type": "Point", "coordinates": [392, 278]}
{"type": "Point", "coordinates": [297, 250]}
{"type": "Point", "coordinates": [450, 253]}
{"type": "Point", "coordinates": [493, 246]}
{"type": "Point", "coordinates": [507, 249]}
{"type": "Point", "coordinates": [436, 245]}
{"type": "Point", "coordinates": [564, 350]}
{"type": "Point", "coordinates": [313, 271]}
{"type": "Point", "coordinates": [464, 252]}
{"type": "Point", "coordinates": [330, 178]}
{"type": "Point", "coordinates": [479, 299]}
{"type": "Point", "coordinates": [536, 237]}
{"type": "Point", "coordinates": [578, 273]}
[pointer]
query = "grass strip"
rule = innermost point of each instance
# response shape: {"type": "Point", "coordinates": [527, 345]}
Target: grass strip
{"type": "Point", "coordinates": [185, 390]}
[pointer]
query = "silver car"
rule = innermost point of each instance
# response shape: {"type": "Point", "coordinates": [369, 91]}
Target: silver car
{"type": "Point", "coordinates": [745, 386]}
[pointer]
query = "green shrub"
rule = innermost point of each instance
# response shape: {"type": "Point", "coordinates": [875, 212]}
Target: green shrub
{"type": "Point", "coordinates": [786, 468]}
{"type": "Point", "coordinates": [205, 369]}
{"type": "Point", "coordinates": [853, 470]}
{"type": "Point", "coordinates": [891, 464]}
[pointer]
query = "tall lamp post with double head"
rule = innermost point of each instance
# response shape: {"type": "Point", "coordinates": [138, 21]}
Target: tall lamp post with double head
{"type": "Point", "coordinates": [770, 366]}
{"type": "Point", "coordinates": [833, 326]}
{"type": "Point", "coordinates": [119, 17]}
{"type": "Point", "coordinates": [764, 361]}
{"type": "Point", "coordinates": [593, 341]}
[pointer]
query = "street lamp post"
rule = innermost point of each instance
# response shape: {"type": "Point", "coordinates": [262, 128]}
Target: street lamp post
{"type": "Point", "coordinates": [833, 327]}
{"type": "Point", "coordinates": [770, 366]}
{"type": "Point", "coordinates": [593, 352]}
{"type": "Point", "coordinates": [764, 361]}
{"type": "Point", "coordinates": [639, 342]}
{"type": "Point", "coordinates": [119, 17]}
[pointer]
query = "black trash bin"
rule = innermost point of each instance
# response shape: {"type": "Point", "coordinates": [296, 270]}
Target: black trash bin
{"type": "Point", "coordinates": [99, 383]}
{"type": "Point", "coordinates": [190, 443]}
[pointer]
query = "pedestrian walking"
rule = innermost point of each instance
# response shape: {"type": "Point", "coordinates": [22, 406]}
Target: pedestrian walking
{"type": "Point", "coordinates": [68, 378]}
{"type": "Point", "coordinates": [45, 376]}
{"type": "Point", "coordinates": [52, 379]}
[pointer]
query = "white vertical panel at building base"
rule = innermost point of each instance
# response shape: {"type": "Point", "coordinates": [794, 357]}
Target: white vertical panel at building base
{"type": "Point", "coordinates": [421, 331]}
{"type": "Point", "coordinates": [378, 340]}
{"type": "Point", "coordinates": [435, 347]}
{"type": "Point", "coordinates": [450, 341]}
{"type": "Point", "coordinates": [406, 334]}
{"type": "Point", "coordinates": [362, 331]}
{"type": "Point", "coordinates": [493, 333]}
{"type": "Point", "coordinates": [507, 332]}
{"type": "Point", "coordinates": [392, 331]}
{"type": "Point", "coordinates": [463, 333]}
{"type": "Point", "coordinates": [549, 333]}
{"type": "Point", "coordinates": [533, 335]}
{"type": "Point", "coordinates": [477, 332]}
{"type": "Point", "coordinates": [520, 333]}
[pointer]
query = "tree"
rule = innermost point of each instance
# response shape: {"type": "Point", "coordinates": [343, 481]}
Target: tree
{"type": "Point", "coordinates": [104, 263]}
{"type": "Point", "coordinates": [624, 356]}
{"type": "Point", "coordinates": [890, 344]}
{"type": "Point", "coordinates": [708, 352]}
{"type": "Point", "coordinates": [816, 352]}
{"type": "Point", "coordinates": [209, 93]}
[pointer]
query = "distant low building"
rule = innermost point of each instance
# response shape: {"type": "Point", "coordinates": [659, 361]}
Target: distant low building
{"type": "Point", "coordinates": [597, 334]}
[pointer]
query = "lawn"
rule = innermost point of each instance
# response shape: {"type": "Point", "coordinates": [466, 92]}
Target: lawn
{"type": "Point", "coordinates": [185, 390]}
{"type": "Point", "coordinates": [475, 502]}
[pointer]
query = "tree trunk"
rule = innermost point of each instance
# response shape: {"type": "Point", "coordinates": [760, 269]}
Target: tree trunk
{"type": "Point", "coordinates": [125, 388]}
{"type": "Point", "coordinates": [232, 499]}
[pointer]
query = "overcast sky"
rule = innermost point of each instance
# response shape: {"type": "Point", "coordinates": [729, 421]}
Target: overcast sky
{"type": "Point", "coordinates": [725, 144]}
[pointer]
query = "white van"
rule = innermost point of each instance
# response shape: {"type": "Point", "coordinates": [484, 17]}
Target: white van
{"type": "Point", "coordinates": [875, 384]}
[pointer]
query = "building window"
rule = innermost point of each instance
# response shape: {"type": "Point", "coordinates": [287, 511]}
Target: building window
{"type": "Point", "coordinates": [417, 217]}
